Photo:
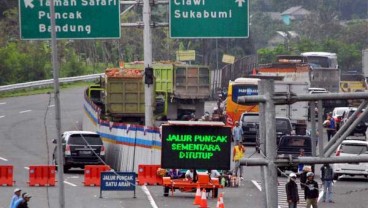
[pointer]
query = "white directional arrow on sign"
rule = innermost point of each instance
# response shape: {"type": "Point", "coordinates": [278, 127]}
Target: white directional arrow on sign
{"type": "Point", "coordinates": [240, 2]}
{"type": "Point", "coordinates": [28, 3]}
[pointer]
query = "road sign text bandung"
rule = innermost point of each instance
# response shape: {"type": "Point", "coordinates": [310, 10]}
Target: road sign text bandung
{"type": "Point", "coordinates": [75, 19]}
{"type": "Point", "coordinates": [209, 18]}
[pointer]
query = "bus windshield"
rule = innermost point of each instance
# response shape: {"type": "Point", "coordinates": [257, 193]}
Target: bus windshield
{"type": "Point", "coordinates": [243, 90]}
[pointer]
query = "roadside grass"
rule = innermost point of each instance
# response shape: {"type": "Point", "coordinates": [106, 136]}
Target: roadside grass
{"type": "Point", "coordinates": [43, 90]}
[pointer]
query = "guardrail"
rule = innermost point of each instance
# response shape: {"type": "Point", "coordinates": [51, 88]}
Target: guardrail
{"type": "Point", "coordinates": [43, 83]}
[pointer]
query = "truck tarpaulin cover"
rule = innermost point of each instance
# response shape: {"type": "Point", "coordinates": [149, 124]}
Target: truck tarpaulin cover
{"type": "Point", "coordinates": [196, 147]}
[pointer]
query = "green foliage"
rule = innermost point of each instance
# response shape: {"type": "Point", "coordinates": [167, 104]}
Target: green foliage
{"type": "Point", "coordinates": [267, 55]}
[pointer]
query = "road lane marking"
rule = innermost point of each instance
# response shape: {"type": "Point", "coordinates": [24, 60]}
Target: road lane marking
{"type": "Point", "coordinates": [2, 116]}
{"type": "Point", "coordinates": [71, 184]}
{"type": "Point", "coordinates": [50, 106]}
{"type": "Point", "coordinates": [1, 158]}
{"type": "Point", "coordinates": [27, 168]}
{"type": "Point", "coordinates": [149, 196]}
{"type": "Point", "coordinates": [2, 103]}
{"type": "Point", "coordinates": [257, 185]}
{"type": "Point", "coordinates": [26, 111]}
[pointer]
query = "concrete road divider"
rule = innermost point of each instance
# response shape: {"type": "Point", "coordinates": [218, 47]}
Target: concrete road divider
{"type": "Point", "coordinates": [147, 174]}
{"type": "Point", "coordinates": [92, 174]}
{"type": "Point", "coordinates": [6, 175]}
{"type": "Point", "coordinates": [42, 175]}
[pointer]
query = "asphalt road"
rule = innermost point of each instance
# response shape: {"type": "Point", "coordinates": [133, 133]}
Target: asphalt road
{"type": "Point", "coordinates": [25, 141]}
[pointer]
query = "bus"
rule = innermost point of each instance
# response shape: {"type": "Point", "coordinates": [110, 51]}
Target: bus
{"type": "Point", "coordinates": [240, 87]}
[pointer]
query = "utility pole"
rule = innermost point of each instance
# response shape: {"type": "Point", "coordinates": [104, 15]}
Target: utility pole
{"type": "Point", "coordinates": [55, 66]}
{"type": "Point", "coordinates": [147, 41]}
{"type": "Point", "coordinates": [271, 149]}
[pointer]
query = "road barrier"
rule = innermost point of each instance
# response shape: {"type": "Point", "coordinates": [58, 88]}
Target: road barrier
{"type": "Point", "coordinates": [147, 174]}
{"type": "Point", "coordinates": [42, 175]}
{"type": "Point", "coordinates": [6, 175]}
{"type": "Point", "coordinates": [92, 174]}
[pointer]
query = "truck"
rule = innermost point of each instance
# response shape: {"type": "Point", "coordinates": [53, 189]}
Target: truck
{"type": "Point", "coordinates": [325, 71]}
{"type": "Point", "coordinates": [296, 112]}
{"type": "Point", "coordinates": [180, 91]}
{"type": "Point", "coordinates": [296, 79]}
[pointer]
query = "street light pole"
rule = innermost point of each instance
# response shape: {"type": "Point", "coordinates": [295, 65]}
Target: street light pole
{"type": "Point", "coordinates": [147, 41]}
{"type": "Point", "coordinates": [55, 65]}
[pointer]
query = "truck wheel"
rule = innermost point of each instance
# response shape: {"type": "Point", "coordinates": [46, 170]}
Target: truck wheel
{"type": "Point", "coordinates": [166, 191]}
{"type": "Point", "coordinates": [215, 193]}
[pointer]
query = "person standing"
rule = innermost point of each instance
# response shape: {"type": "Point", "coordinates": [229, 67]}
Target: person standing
{"type": "Point", "coordinates": [24, 203]}
{"type": "Point", "coordinates": [327, 178]}
{"type": "Point", "coordinates": [20, 200]}
{"type": "Point", "coordinates": [292, 194]}
{"type": "Point", "coordinates": [331, 127]}
{"type": "Point", "coordinates": [237, 132]}
{"type": "Point", "coordinates": [15, 197]}
{"type": "Point", "coordinates": [238, 154]}
{"type": "Point", "coordinates": [303, 176]}
{"type": "Point", "coordinates": [311, 191]}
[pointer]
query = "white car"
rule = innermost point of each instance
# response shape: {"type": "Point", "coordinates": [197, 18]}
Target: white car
{"type": "Point", "coordinates": [351, 148]}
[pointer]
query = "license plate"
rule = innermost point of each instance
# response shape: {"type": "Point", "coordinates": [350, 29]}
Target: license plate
{"type": "Point", "coordinates": [85, 152]}
{"type": "Point", "coordinates": [252, 129]}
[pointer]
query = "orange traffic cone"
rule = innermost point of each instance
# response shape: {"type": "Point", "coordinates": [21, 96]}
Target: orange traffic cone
{"type": "Point", "coordinates": [203, 203]}
{"type": "Point", "coordinates": [220, 202]}
{"type": "Point", "coordinates": [197, 198]}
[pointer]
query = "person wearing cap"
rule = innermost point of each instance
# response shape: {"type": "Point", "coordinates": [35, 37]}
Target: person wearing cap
{"type": "Point", "coordinates": [15, 197]}
{"type": "Point", "coordinates": [303, 176]}
{"type": "Point", "coordinates": [24, 203]}
{"type": "Point", "coordinates": [311, 191]}
{"type": "Point", "coordinates": [237, 132]}
{"type": "Point", "coordinates": [19, 200]}
{"type": "Point", "coordinates": [292, 194]}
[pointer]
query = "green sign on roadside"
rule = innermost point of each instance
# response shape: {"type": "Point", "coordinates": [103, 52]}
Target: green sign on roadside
{"type": "Point", "coordinates": [209, 18]}
{"type": "Point", "coordinates": [75, 19]}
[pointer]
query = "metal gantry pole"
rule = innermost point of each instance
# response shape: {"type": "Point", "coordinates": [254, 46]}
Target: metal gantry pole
{"type": "Point", "coordinates": [55, 66]}
{"type": "Point", "coordinates": [270, 118]}
{"type": "Point", "coordinates": [312, 107]}
{"type": "Point", "coordinates": [147, 41]}
{"type": "Point", "coordinates": [320, 129]}
{"type": "Point", "coordinates": [262, 142]}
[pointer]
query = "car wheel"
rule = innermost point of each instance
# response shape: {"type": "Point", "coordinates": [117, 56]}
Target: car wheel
{"type": "Point", "coordinates": [166, 191]}
{"type": "Point", "coordinates": [66, 169]}
{"type": "Point", "coordinates": [336, 177]}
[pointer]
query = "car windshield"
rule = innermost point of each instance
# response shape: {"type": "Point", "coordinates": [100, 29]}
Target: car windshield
{"type": "Point", "coordinates": [354, 148]}
{"type": "Point", "coordinates": [250, 119]}
{"type": "Point", "coordinates": [339, 112]}
{"type": "Point", "coordinates": [296, 142]}
{"type": "Point", "coordinates": [82, 139]}
{"type": "Point", "coordinates": [282, 124]}
{"type": "Point", "coordinates": [243, 90]}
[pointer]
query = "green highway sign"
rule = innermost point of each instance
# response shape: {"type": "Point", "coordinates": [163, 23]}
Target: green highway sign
{"type": "Point", "coordinates": [75, 19]}
{"type": "Point", "coordinates": [209, 18]}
